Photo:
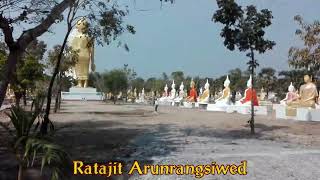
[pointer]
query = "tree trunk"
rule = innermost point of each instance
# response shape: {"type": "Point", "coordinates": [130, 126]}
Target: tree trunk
{"type": "Point", "coordinates": [20, 172]}
{"type": "Point", "coordinates": [24, 96]}
{"type": "Point", "coordinates": [8, 72]}
{"type": "Point", "coordinates": [18, 96]}
{"type": "Point", "coordinates": [44, 125]}
{"type": "Point", "coordinates": [56, 106]}
{"type": "Point", "coordinates": [17, 48]}
{"type": "Point", "coordinates": [252, 104]}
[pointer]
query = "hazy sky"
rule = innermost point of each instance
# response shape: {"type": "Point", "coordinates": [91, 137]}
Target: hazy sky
{"type": "Point", "coordinates": [183, 37]}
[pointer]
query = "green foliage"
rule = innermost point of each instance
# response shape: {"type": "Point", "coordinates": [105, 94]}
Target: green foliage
{"type": "Point", "coordinates": [68, 59]}
{"type": "Point", "coordinates": [308, 56]}
{"type": "Point", "coordinates": [131, 74]}
{"type": "Point", "coordinates": [267, 79]}
{"type": "Point", "coordinates": [178, 77]}
{"type": "Point", "coordinates": [3, 57]}
{"type": "Point", "coordinates": [138, 83]}
{"type": "Point", "coordinates": [244, 28]}
{"type": "Point", "coordinates": [53, 157]}
{"type": "Point", "coordinates": [28, 145]}
{"type": "Point", "coordinates": [115, 81]}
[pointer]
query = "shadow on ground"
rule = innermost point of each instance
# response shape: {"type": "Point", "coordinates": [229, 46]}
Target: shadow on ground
{"type": "Point", "coordinates": [104, 141]}
{"type": "Point", "coordinates": [233, 134]}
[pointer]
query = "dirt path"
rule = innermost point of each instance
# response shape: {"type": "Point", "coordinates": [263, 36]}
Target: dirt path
{"type": "Point", "coordinates": [96, 132]}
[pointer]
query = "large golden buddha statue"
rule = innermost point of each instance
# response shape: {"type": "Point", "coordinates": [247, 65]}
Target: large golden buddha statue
{"type": "Point", "coordinates": [307, 94]}
{"type": "Point", "coordinates": [83, 44]}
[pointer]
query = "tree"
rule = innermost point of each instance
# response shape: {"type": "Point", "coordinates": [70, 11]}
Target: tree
{"type": "Point", "coordinates": [150, 84]}
{"type": "Point", "coordinates": [37, 16]}
{"type": "Point", "coordinates": [307, 57]}
{"type": "Point", "coordinates": [178, 77]}
{"type": "Point", "coordinates": [28, 71]}
{"type": "Point", "coordinates": [244, 29]}
{"type": "Point", "coordinates": [238, 79]}
{"type": "Point", "coordinates": [68, 60]}
{"type": "Point", "coordinates": [165, 76]}
{"type": "Point", "coordinates": [105, 26]}
{"type": "Point", "coordinates": [267, 79]}
{"type": "Point", "coordinates": [115, 81]}
{"type": "Point", "coordinates": [138, 83]}
{"type": "Point", "coordinates": [131, 74]}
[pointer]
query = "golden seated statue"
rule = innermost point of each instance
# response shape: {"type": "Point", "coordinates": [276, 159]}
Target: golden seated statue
{"type": "Point", "coordinates": [204, 98]}
{"type": "Point", "coordinates": [307, 97]}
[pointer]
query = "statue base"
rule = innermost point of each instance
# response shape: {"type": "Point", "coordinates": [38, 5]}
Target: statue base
{"type": "Point", "coordinates": [82, 94]}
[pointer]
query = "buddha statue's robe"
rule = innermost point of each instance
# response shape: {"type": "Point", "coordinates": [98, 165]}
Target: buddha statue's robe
{"type": "Point", "coordinates": [225, 98]}
{"type": "Point", "coordinates": [204, 98]}
{"type": "Point", "coordinates": [290, 96]}
{"type": "Point", "coordinates": [308, 95]}
{"type": "Point", "coordinates": [192, 95]}
{"type": "Point", "coordinates": [307, 98]}
{"type": "Point", "coordinates": [250, 93]}
{"type": "Point", "coordinates": [172, 94]}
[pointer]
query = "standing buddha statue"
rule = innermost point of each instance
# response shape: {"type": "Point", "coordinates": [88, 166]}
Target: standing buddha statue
{"type": "Point", "coordinates": [84, 45]}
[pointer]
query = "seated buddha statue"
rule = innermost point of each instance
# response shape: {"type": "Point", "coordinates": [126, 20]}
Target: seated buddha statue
{"type": "Point", "coordinates": [192, 93]}
{"type": "Point", "coordinates": [165, 94]}
{"type": "Point", "coordinates": [173, 91]}
{"type": "Point", "coordinates": [249, 94]}
{"type": "Point", "coordinates": [135, 94]}
{"type": "Point", "coordinates": [204, 97]}
{"type": "Point", "coordinates": [224, 99]}
{"type": "Point", "coordinates": [181, 93]}
{"type": "Point", "coordinates": [238, 95]}
{"type": "Point", "coordinates": [263, 95]}
{"type": "Point", "coordinates": [307, 94]}
{"type": "Point", "coordinates": [290, 96]}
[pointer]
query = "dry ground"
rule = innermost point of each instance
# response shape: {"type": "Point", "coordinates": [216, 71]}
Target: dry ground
{"type": "Point", "coordinates": [98, 132]}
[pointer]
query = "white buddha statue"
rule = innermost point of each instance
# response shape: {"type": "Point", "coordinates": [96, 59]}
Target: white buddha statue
{"type": "Point", "coordinates": [165, 96]}
{"type": "Point", "coordinates": [201, 91]}
{"type": "Point", "coordinates": [165, 91]}
{"type": "Point", "coordinates": [135, 93]}
{"type": "Point", "coordinates": [224, 99]}
{"type": "Point", "coordinates": [141, 97]}
{"type": "Point", "coordinates": [173, 90]}
{"type": "Point", "coordinates": [290, 96]}
{"type": "Point", "coordinates": [238, 95]}
{"type": "Point", "coordinates": [263, 95]}
{"type": "Point", "coordinates": [181, 93]}
{"type": "Point", "coordinates": [204, 97]}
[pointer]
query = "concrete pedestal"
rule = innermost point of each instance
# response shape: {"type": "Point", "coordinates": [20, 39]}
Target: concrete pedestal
{"type": "Point", "coordinates": [214, 107]}
{"type": "Point", "coordinates": [203, 105]}
{"type": "Point", "coordinates": [76, 93]}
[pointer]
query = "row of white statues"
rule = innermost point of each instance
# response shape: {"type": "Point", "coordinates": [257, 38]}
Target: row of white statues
{"type": "Point", "coordinates": [204, 96]}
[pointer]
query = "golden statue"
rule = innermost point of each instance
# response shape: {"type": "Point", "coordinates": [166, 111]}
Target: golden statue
{"type": "Point", "coordinates": [307, 97]}
{"type": "Point", "coordinates": [224, 99]}
{"type": "Point", "coordinates": [83, 44]}
{"type": "Point", "coordinates": [204, 98]}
